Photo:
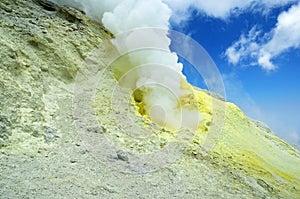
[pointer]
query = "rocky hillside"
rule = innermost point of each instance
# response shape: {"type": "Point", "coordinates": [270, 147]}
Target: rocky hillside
{"type": "Point", "coordinates": [67, 130]}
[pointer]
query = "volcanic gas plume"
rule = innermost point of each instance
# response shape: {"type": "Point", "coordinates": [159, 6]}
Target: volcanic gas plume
{"type": "Point", "coordinates": [146, 64]}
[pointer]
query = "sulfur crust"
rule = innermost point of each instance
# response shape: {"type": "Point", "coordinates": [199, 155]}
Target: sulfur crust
{"type": "Point", "coordinates": [242, 145]}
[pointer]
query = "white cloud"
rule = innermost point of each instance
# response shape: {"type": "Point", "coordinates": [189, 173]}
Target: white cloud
{"type": "Point", "coordinates": [214, 8]}
{"type": "Point", "coordinates": [284, 36]}
{"type": "Point", "coordinates": [264, 61]}
{"type": "Point", "coordinates": [217, 8]}
{"type": "Point", "coordinates": [245, 46]}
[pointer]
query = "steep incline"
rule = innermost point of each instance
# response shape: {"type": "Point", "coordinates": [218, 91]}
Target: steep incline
{"type": "Point", "coordinates": [67, 130]}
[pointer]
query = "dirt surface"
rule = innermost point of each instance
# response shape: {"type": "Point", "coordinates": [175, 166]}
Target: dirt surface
{"type": "Point", "coordinates": [67, 130]}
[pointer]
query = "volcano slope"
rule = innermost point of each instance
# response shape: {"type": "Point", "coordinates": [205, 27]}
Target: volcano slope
{"type": "Point", "coordinates": [68, 130]}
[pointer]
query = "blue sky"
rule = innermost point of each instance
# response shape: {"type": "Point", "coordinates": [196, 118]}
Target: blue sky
{"type": "Point", "coordinates": [256, 47]}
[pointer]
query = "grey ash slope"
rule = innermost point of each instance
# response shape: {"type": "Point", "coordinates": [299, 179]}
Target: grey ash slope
{"type": "Point", "coordinates": [42, 155]}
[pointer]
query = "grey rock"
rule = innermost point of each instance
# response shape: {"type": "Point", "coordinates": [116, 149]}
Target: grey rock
{"type": "Point", "coordinates": [4, 130]}
{"type": "Point", "coordinates": [96, 129]}
{"type": "Point", "coordinates": [50, 135]}
{"type": "Point", "coordinates": [122, 155]}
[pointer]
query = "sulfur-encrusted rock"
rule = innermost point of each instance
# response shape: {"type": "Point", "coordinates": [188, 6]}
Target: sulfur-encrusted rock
{"type": "Point", "coordinates": [63, 115]}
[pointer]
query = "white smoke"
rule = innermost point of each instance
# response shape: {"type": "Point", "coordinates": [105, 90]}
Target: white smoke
{"type": "Point", "coordinates": [144, 24]}
{"type": "Point", "coordinates": [93, 8]}
{"type": "Point", "coordinates": [123, 15]}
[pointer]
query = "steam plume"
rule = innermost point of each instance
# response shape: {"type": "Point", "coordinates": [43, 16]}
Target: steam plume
{"type": "Point", "coordinates": [147, 66]}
